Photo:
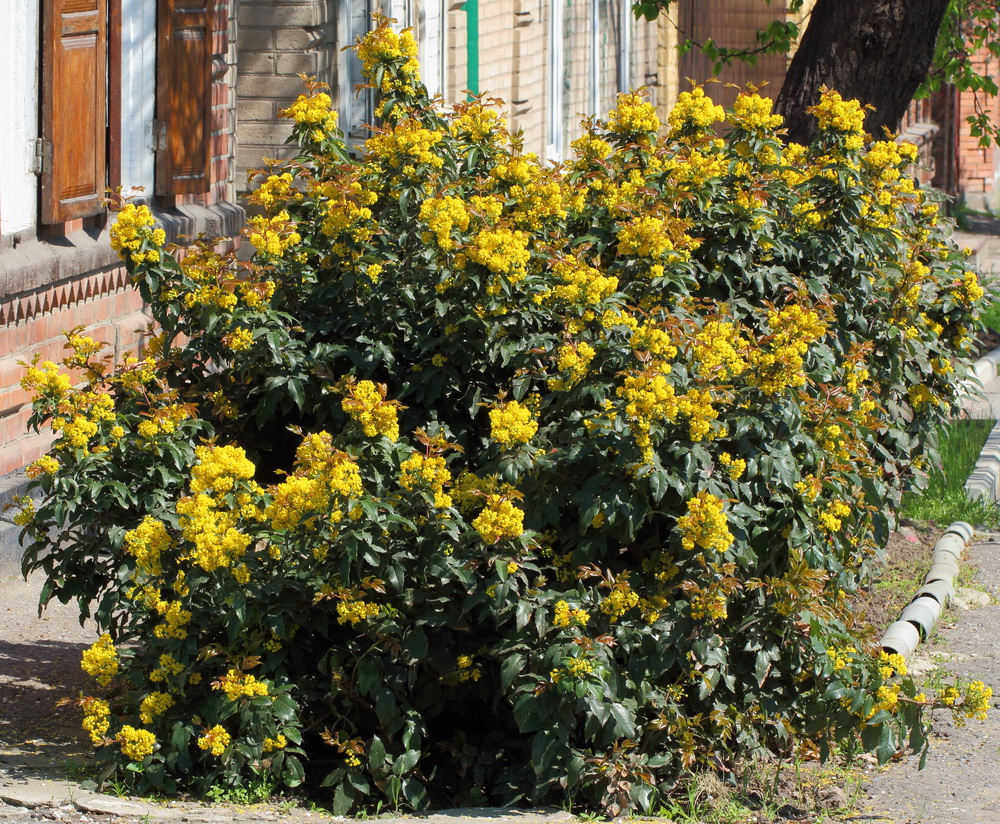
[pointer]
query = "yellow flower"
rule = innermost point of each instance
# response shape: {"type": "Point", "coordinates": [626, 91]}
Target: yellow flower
{"type": "Point", "coordinates": [705, 524]}
{"type": "Point", "coordinates": [101, 660]}
{"type": "Point", "coordinates": [499, 520]}
{"type": "Point", "coordinates": [136, 744]}
{"type": "Point", "coordinates": [95, 718]}
{"type": "Point", "coordinates": [215, 740]}
{"type": "Point", "coordinates": [367, 405]}
{"type": "Point", "coordinates": [236, 685]}
{"type": "Point", "coordinates": [511, 424]}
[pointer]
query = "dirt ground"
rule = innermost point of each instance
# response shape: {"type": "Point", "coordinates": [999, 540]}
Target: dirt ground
{"type": "Point", "coordinates": [39, 664]}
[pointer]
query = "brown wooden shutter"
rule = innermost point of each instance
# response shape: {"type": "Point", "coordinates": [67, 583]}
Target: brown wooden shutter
{"type": "Point", "coordinates": [184, 96]}
{"type": "Point", "coordinates": [74, 108]}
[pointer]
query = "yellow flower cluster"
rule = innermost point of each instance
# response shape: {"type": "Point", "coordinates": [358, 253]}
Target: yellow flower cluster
{"type": "Point", "coordinates": [407, 144]}
{"type": "Point", "coordinates": [273, 236]}
{"type": "Point", "coordinates": [696, 406]}
{"type": "Point", "coordinates": [135, 744]}
{"type": "Point", "coordinates": [352, 611]}
{"type": "Point", "coordinates": [476, 123]}
{"type": "Point", "coordinates": [323, 482]}
{"type": "Point", "coordinates": [383, 45]}
{"type": "Point", "coordinates": [95, 719]}
{"type": "Point", "coordinates": [500, 520]}
{"type": "Point", "coordinates": [45, 465]}
{"type": "Point", "coordinates": [132, 229]}
{"type": "Point", "coordinates": [735, 467]}
{"type": "Point", "coordinates": [512, 423]}
{"type": "Point", "coordinates": [147, 543]}
{"type": "Point", "coordinates": [565, 616]}
{"type": "Point", "coordinates": [891, 664]}
{"type": "Point", "coordinates": [753, 113]}
{"type": "Point", "coordinates": [832, 517]}
{"type": "Point", "coordinates": [442, 215]}
{"type": "Point", "coordinates": [272, 744]}
{"type": "Point", "coordinates": [347, 211]}
{"type": "Point", "coordinates": [648, 337]}
{"type": "Point", "coordinates": [466, 669]}
{"type": "Point", "coordinates": [779, 365]}
{"type": "Point", "coordinates": [833, 113]}
{"type": "Point", "coordinates": [649, 399]}
{"type": "Point", "coordinates": [571, 668]}
{"type": "Point", "coordinates": [644, 236]}
{"type": "Point", "coordinates": [921, 396]}
{"type": "Point", "coordinates": [215, 740]}
{"type": "Point", "coordinates": [207, 518]}
{"type": "Point", "coordinates": [278, 189]}
{"type": "Point", "coordinates": [313, 111]}
{"type": "Point", "coordinates": [633, 116]}
{"type": "Point", "coordinates": [503, 251]}
{"type": "Point", "coordinates": [705, 524]}
{"type": "Point", "coordinates": [175, 619]}
{"type": "Point", "coordinates": [970, 291]}
{"type": "Point", "coordinates": [572, 361]}
{"type": "Point", "coordinates": [100, 660]}
{"type": "Point", "coordinates": [709, 604]}
{"type": "Point", "coordinates": [620, 600]}
{"type": "Point", "coordinates": [239, 340]}
{"type": "Point", "coordinates": [237, 685]}
{"type": "Point", "coordinates": [366, 404]}
{"type": "Point", "coordinates": [694, 109]}
{"type": "Point", "coordinates": [886, 698]}
{"type": "Point", "coordinates": [428, 471]}
{"type": "Point", "coordinates": [719, 351]}
{"type": "Point", "coordinates": [154, 704]}
{"type": "Point", "coordinates": [976, 701]}
{"type": "Point", "coordinates": [46, 381]}
{"type": "Point", "coordinates": [580, 283]}
{"type": "Point", "coordinates": [840, 658]}
{"type": "Point", "coordinates": [168, 667]}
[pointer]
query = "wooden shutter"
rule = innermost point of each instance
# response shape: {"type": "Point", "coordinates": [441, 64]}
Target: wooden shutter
{"type": "Point", "coordinates": [184, 96]}
{"type": "Point", "coordinates": [74, 108]}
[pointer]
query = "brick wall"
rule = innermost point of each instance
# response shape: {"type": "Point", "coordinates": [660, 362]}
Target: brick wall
{"type": "Point", "coordinates": [276, 43]}
{"type": "Point", "coordinates": [978, 168]}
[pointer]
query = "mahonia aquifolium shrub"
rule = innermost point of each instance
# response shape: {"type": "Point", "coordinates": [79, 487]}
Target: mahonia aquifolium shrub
{"type": "Point", "coordinates": [490, 480]}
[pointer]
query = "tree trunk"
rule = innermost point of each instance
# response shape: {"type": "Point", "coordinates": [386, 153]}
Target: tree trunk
{"type": "Point", "coordinates": [875, 51]}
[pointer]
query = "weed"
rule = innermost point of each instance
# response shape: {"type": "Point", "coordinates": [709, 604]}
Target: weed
{"type": "Point", "coordinates": [253, 792]}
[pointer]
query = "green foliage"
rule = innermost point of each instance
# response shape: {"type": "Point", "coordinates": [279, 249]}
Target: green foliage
{"type": "Point", "coordinates": [491, 481]}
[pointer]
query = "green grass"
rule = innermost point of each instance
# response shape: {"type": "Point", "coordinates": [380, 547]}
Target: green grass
{"type": "Point", "coordinates": [945, 499]}
{"type": "Point", "coordinates": [990, 316]}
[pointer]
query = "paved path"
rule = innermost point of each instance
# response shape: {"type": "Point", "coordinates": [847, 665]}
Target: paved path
{"type": "Point", "coordinates": [960, 783]}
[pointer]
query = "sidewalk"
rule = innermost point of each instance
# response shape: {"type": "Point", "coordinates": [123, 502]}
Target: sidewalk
{"type": "Point", "coordinates": [960, 783]}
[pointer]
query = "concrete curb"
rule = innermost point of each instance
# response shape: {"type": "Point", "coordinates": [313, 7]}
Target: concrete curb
{"type": "Point", "coordinates": [920, 616]}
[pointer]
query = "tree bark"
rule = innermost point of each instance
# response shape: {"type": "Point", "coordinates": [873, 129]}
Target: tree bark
{"type": "Point", "coordinates": [875, 51]}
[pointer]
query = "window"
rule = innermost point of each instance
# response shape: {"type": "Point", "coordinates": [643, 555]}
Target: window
{"type": "Point", "coordinates": [357, 105]}
{"type": "Point", "coordinates": [104, 65]}
{"type": "Point", "coordinates": [590, 55]}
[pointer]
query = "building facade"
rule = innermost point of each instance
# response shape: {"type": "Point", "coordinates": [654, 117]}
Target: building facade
{"type": "Point", "coordinates": [101, 95]}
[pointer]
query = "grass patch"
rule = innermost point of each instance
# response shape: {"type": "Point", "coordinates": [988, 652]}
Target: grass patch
{"type": "Point", "coordinates": [990, 316]}
{"type": "Point", "coordinates": [945, 499]}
